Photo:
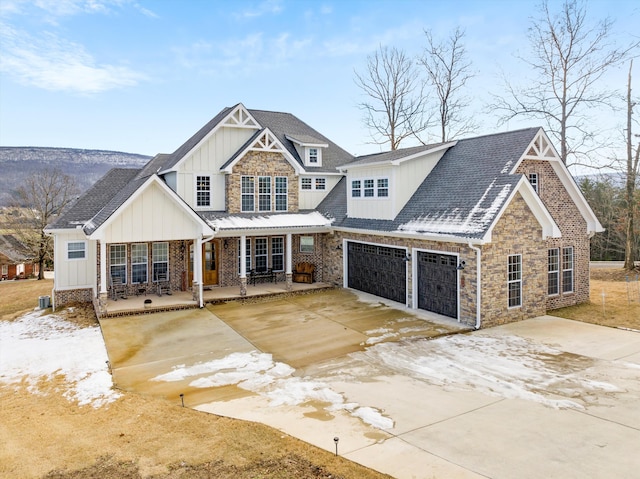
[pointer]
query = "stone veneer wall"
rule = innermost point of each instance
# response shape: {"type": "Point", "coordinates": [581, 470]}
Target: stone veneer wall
{"type": "Point", "coordinates": [261, 163]}
{"type": "Point", "coordinates": [517, 232]}
{"type": "Point", "coordinates": [573, 228]}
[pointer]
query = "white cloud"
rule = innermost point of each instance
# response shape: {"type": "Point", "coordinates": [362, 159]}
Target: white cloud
{"type": "Point", "coordinates": [52, 63]}
{"type": "Point", "coordinates": [266, 7]}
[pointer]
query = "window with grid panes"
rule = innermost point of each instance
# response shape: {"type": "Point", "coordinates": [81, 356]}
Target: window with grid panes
{"type": "Point", "coordinates": [261, 254]}
{"type": "Point", "coordinates": [264, 193]}
{"type": "Point", "coordinates": [553, 275]}
{"type": "Point", "coordinates": [282, 192]}
{"type": "Point", "coordinates": [203, 191]}
{"type": "Point", "coordinates": [139, 262]}
{"type": "Point", "coordinates": [514, 281]}
{"type": "Point", "coordinates": [160, 253]}
{"type": "Point", "coordinates": [118, 261]}
{"type": "Point", "coordinates": [248, 192]}
{"type": "Point", "coordinates": [567, 269]}
{"type": "Point", "coordinates": [277, 253]}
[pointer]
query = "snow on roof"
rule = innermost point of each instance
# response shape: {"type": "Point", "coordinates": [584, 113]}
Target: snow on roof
{"type": "Point", "coordinates": [453, 221]}
{"type": "Point", "coordinates": [295, 220]}
{"type": "Point", "coordinates": [37, 345]}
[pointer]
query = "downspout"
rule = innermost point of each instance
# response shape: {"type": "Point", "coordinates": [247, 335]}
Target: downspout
{"type": "Point", "coordinates": [478, 285]}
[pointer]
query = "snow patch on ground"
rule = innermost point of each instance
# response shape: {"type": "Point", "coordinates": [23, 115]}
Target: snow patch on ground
{"type": "Point", "coordinates": [506, 366]}
{"type": "Point", "coordinates": [258, 373]}
{"type": "Point", "coordinates": [42, 346]}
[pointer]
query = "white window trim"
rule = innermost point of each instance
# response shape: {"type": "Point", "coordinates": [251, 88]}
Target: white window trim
{"type": "Point", "coordinates": [146, 263]}
{"type": "Point", "coordinates": [517, 281]}
{"type": "Point", "coordinates": [313, 244]}
{"type": "Point", "coordinates": [154, 261]}
{"type": "Point", "coordinates": [243, 194]}
{"type": "Point", "coordinates": [375, 188]}
{"type": "Point", "coordinates": [257, 255]}
{"type": "Point", "coordinates": [313, 179]}
{"type": "Point", "coordinates": [276, 195]}
{"type": "Point", "coordinates": [556, 272]}
{"type": "Point", "coordinates": [270, 186]}
{"type": "Point", "coordinates": [195, 191]}
{"type": "Point", "coordinates": [572, 269]}
{"type": "Point", "coordinates": [111, 264]}
{"type": "Point", "coordinates": [534, 184]}
{"type": "Point", "coordinates": [272, 254]}
{"type": "Point", "coordinates": [307, 156]}
{"type": "Point", "coordinates": [84, 257]}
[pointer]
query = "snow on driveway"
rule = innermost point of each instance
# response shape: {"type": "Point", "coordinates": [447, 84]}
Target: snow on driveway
{"type": "Point", "coordinates": [39, 346]}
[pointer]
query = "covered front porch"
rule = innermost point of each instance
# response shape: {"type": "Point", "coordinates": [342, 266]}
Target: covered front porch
{"type": "Point", "coordinates": [152, 302]}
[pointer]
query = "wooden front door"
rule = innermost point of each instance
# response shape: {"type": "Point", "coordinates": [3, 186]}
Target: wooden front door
{"type": "Point", "coordinates": [209, 263]}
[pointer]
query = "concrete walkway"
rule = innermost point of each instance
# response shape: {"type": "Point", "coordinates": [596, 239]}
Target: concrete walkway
{"type": "Point", "coordinates": [545, 397]}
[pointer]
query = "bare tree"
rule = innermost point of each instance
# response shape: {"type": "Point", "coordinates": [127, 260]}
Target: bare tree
{"type": "Point", "coordinates": [569, 57]}
{"type": "Point", "coordinates": [43, 196]}
{"type": "Point", "coordinates": [631, 200]}
{"type": "Point", "coordinates": [448, 71]}
{"type": "Point", "coordinates": [394, 109]}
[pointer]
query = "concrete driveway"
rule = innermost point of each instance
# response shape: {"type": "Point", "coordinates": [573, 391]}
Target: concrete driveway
{"type": "Point", "coordinates": [544, 397]}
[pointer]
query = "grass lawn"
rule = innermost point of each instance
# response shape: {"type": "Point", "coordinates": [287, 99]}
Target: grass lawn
{"type": "Point", "coordinates": [45, 435]}
{"type": "Point", "coordinates": [16, 297]}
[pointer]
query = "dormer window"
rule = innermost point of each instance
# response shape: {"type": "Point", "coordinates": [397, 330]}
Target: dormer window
{"type": "Point", "coordinates": [314, 156]}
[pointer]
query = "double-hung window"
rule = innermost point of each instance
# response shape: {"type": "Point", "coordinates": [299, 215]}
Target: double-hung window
{"type": "Point", "coordinates": [567, 269]}
{"type": "Point", "coordinates": [248, 192]}
{"type": "Point", "coordinates": [76, 250]}
{"type": "Point", "coordinates": [277, 253]}
{"type": "Point", "coordinates": [369, 191]}
{"type": "Point", "coordinates": [264, 193]}
{"type": "Point", "coordinates": [139, 262]}
{"type": "Point", "coordinates": [514, 280]}
{"type": "Point", "coordinates": [313, 156]}
{"type": "Point", "coordinates": [118, 261]}
{"type": "Point", "coordinates": [160, 253]}
{"type": "Point", "coordinates": [203, 191]}
{"type": "Point", "coordinates": [356, 189]}
{"type": "Point", "coordinates": [553, 274]}
{"type": "Point", "coordinates": [282, 191]}
{"type": "Point", "coordinates": [383, 187]}
{"type": "Point", "coordinates": [261, 254]}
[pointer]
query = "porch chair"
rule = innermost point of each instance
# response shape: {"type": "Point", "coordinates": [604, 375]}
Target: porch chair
{"type": "Point", "coordinates": [164, 286]}
{"type": "Point", "coordinates": [303, 272]}
{"type": "Point", "coordinates": [118, 288]}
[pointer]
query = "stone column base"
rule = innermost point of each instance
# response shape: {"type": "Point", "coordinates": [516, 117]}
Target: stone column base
{"type": "Point", "coordinates": [243, 286]}
{"type": "Point", "coordinates": [102, 302]}
{"type": "Point", "coordinates": [289, 281]}
{"type": "Point", "coordinates": [195, 291]}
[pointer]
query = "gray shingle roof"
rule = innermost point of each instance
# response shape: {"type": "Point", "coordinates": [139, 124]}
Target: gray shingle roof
{"type": "Point", "coordinates": [96, 198]}
{"type": "Point", "coordinates": [392, 155]}
{"type": "Point", "coordinates": [460, 197]}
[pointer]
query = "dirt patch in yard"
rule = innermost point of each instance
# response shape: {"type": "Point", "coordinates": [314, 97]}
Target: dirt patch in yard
{"type": "Point", "coordinates": [137, 437]}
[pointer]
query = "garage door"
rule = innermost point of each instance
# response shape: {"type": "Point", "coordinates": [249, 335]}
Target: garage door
{"type": "Point", "coordinates": [378, 270]}
{"type": "Point", "coordinates": [438, 283]}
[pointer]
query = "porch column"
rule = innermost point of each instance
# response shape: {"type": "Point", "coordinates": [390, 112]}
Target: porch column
{"type": "Point", "coordinates": [243, 265]}
{"type": "Point", "coordinates": [288, 271]}
{"type": "Point", "coordinates": [197, 269]}
{"type": "Point", "coordinates": [103, 294]}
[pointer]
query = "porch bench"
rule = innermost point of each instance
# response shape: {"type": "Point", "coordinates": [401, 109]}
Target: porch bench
{"type": "Point", "coordinates": [303, 273]}
{"type": "Point", "coordinates": [262, 274]}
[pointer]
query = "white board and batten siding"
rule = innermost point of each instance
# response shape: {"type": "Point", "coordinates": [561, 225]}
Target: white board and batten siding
{"type": "Point", "coordinates": [310, 199]}
{"type": "Point", "coordinates": [75, 273]}
{"type": "Point", "coordinates": [404, 179]}
{"type": "Point", "coordinates": [152, 216]}
{"type": "Point", "coordinates": [207, 160]}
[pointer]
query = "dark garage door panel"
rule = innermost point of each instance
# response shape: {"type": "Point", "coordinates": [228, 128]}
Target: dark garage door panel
{"type": "Point", "coordinates": [378, 270]}
{"type": "Point", "coordinates": [438, 283]}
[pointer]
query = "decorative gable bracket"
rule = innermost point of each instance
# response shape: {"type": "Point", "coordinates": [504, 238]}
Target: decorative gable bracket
{"type": "Point", "coordinates": [541, 148]}
{"type": "Point", "coordinates": [267, 142]}
{"type": "Point", "coordinates": [240, 118]}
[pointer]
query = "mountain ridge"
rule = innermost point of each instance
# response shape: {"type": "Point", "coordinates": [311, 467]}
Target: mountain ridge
{"type": "Point", "coordinates": [85, 165]}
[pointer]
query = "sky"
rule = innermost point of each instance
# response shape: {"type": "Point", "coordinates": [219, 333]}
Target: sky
{"type": "Point", "coordinates": [142, 76]}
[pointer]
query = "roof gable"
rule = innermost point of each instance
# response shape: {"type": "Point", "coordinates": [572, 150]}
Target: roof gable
{"type": "Point", "coordinates": [264, 140]}
{"type": "Point", "coordinates": [13, 249]}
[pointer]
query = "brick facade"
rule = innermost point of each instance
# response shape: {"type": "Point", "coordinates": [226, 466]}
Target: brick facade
{"type": "Point", "coordinates": [573, 227]}
{"type": "Point", "coordinates": [261, 163]}
{"type": "Point", "coordinates": [67, 296]}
